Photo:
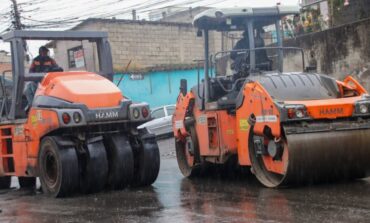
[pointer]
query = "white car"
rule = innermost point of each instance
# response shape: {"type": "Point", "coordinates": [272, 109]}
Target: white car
{"type": "Point", "coordinates": [162, 121]}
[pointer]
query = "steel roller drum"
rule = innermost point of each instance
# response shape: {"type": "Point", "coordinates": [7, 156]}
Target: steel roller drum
{"type": "Point", "coordinates": [318, 157]}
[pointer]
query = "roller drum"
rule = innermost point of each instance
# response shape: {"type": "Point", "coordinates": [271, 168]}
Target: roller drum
{"type": "Point", "coordinates": [315, 157]}
{"type": "Point", "coordinates": [328, 156]}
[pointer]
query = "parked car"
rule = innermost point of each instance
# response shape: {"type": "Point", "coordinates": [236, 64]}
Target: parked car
{"type": "Point", "coordinates": [161, 125]}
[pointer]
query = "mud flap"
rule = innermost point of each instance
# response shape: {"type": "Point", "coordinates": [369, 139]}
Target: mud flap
{"type": "Point", "coordinates": [27, 182]}
{"type": "Point", "coordinates": [5, 182]}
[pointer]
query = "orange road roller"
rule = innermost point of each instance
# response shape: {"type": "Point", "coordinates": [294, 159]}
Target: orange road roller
{"type": "Point", "coordinates": [290, 127]}
{"type": "Point", "coordinates": [74, 130]}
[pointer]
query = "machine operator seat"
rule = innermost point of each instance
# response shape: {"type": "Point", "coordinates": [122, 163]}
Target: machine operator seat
{"type": "Point", "coordinates": [6, 87]}
{"type": "Point", "coordinates": [224, 99]}
{"type": "Point", "coordinates": [228, 101]}
{"type": "Point", "coordinates": [29, 91]}
{"type": "Point", "coordinates": [30, 87]}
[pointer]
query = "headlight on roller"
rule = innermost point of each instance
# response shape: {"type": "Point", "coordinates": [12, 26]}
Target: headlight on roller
{"type": "Point", "coordinates": [300, 113]}
{"type": "Point", "coordinates": [362, 108]}
{"type": "Point", "coordinates": [296, 112]}
{"type": "Point", "coordinates": [136, 113]}
{"type": "Point", "coordinates": [139, 112]}
{"type": "Point", "coordinates": [77, 117]}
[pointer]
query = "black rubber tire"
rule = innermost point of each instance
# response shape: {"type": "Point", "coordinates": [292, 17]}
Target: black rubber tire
{"type": "Point", "coordinates": [186, 170]}
{"type": "Point", "coordinates": [95, 172]}
{"type": "Point", "coordinates": [147, 161]}
{"type": "Point", "coordinates": [65, 163]}
{"type": "Point", "coordinates": [5, 182]}
{"type": "Point", "coordinates": [27, 182]}
{"type": "Point", "coordinates": [120, 161]}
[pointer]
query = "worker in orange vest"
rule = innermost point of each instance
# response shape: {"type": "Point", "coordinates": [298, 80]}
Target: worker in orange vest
{"type": "Point", "coordinates": [43, 62]}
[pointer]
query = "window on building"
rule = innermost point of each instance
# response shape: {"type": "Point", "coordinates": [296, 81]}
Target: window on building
{"type": "Point", "coordinates": [76, 58]}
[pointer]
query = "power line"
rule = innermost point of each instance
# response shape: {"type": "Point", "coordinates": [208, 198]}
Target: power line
{"type": "Point", "coordinates": [52, 22]}
{"type": "Point", "coordinates": [44, 14]}
{"type": "Point", "coordinates": [16, 16]}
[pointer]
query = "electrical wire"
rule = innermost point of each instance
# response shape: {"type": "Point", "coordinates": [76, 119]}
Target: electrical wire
{"type": "Point", "coordinates": [45, 14]}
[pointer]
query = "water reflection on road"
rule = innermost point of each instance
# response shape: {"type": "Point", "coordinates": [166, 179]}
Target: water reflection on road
{"type": "Point", "coordinates": [175, 199]}
{"type": "Point", "coordinates": [244, 200]}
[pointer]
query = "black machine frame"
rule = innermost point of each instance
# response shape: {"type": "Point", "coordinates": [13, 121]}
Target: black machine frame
{"type": "Point", "coordinates": [244, 21]}
{"type": "Point", "coordinates": [17, 40]}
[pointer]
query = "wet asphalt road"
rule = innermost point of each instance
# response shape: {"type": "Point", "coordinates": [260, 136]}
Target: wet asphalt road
{"type": "Point", "coordinates": [175, 199]}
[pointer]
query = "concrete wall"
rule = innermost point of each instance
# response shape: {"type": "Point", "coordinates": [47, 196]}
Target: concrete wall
{"type": "Point", "coordinates": [338, 51]}
{"type": "Point", "coordinates": [5, 57]}
{"type": "Point", "coordinates": [356, 10]}
{"type": "Point", "coordinates": [150, 45]}
{"type": "Point", "coordinates": [5, 63]}
{"type": "Point", "coordinates": [61, 56]}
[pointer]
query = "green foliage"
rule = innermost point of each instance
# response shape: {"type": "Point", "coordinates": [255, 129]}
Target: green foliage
{"type": "Point", "coordinates": [337, 6]}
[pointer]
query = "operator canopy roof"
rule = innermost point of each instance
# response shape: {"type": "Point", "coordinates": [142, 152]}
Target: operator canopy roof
{"type": "Point", "coordinates": [54, 35]}
{"type": "Point", "coordinates": [235, 18]}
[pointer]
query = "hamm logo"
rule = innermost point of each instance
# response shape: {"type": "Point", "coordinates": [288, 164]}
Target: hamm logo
{"type": "Point", "coordinates": [106, 115]}
{"type": "Point", "coordinates": [331, 111]}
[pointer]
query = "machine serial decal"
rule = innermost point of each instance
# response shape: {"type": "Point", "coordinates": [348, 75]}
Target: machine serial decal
{"type": "Point", "coordinates": [179, 124]}
{"type": "Point", "coordinates": [266, 118]}
{"type": "Point", "coordinates": [106, 115]}
{"type": "Point", "coordinates": [19, 130]}
{"type": "Point", "coordinates": [268, 111]}
{"type": "Point", "coordinates": [39, 115]}
{"type": "Point", "coordinates": [331, 111]}
{"type": "Point", "coordinates": [230, 132]}
{"type": "Point", "coordinates": [256, 96]}
{"type": "Point", "coordinates": [202, 120]}
{"type": "Point", "coordinates": [243, 125]}
{"type": "Point", "coordinates": [47, 121]}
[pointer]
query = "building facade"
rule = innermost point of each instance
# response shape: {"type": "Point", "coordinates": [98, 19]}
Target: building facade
{"type": "Point", "coordinates": [319, 15]}
{"type": "Point", "coordinates": [5, 63]}
{"type": "Point", "coordinates": [148, 45]}
{"type": "Point", "coordinates": [339, 51]}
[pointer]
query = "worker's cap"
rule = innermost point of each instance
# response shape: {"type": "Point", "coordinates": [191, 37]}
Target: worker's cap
{"type": "Point", "coordinates": [43, 49]}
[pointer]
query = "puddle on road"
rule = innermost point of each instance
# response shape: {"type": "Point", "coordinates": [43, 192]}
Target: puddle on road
{"type": "Point", "coordinates": [173, 198]}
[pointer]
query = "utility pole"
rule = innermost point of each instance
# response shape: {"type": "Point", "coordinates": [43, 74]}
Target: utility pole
{"type": "Point", "coordinates": [17, 25]}
{"type": "Point", "coordinates": [134, 14]}
{"type": "Point", "coordinates": [16, 16]}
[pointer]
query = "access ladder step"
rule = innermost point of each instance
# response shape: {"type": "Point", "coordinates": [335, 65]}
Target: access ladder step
{"type": "Point", "coordinates": [6, 137]}
{"type": "Point", "coordinates": [9, 173]}
{"type": "Point", "coordinates": [7, 155]}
